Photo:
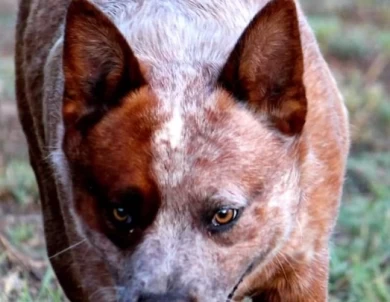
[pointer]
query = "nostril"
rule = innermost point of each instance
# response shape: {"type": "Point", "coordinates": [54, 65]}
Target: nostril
{"type": "Point", "coordinates": [168, 297]}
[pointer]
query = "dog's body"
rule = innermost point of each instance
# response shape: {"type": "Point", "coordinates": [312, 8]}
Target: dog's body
{"type": "Point", "coordinates": [178, 137]}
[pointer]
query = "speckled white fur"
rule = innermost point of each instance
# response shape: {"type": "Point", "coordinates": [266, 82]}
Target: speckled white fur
{"type": "Point", "coordinates": [179, 40]}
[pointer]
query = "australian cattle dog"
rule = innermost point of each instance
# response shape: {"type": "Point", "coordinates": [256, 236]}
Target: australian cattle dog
{"type": "Point", "coordinates": [185, 150]}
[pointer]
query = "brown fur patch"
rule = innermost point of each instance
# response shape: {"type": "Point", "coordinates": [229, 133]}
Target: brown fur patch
{"type": "Point", "coordinates": [115, 157]}
{"type": "Point", "coordinates": [99, 66]}
{"type": "Point", "coordinates": [266, 67]}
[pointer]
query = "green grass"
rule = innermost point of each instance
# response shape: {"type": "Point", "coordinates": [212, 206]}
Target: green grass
{"type": "Point", "coordinates": [369, 110]}
{"type": "Point", "coordinates": [25, 287]}
{"type": "Point", "coordinates": [20, 234]}
{"type": "Point", "coordinates": [19, 181]}
{"type": "Point", "coordinates": [349, 40]}
{"type": "Point", "coordinates": [7, 90]}
{"type": "Point", "coordinates": [47, 291]}
{"type": "Point", "coordinates": [360, 266]}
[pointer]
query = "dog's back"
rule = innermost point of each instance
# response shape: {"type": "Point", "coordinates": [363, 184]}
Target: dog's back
{"type": "Point", "coordinates": [176, 41]}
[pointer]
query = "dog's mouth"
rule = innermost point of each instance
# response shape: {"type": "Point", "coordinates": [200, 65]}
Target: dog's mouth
{"type": "Point", "coordinates": [245, 274]}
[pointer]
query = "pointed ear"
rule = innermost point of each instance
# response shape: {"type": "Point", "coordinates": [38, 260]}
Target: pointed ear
{"type": "Point", "coordinates": [99, 66]}
{"type": "Point", "coordinates": [265, 68]}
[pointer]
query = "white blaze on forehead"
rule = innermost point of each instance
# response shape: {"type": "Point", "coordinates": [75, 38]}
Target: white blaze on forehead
{"type": "Point", "coordinates": [171, 132]}
{"type": "Point", "coordinates": [168, 147]}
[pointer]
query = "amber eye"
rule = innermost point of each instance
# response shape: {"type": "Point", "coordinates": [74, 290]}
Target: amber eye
{"type": "Point", "coordinates": [224, 216]}
{"type": "Point", "coordinates": [121, 215]}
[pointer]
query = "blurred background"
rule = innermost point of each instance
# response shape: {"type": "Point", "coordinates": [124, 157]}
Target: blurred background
{"type": "Point", "coordinates": [354, 36]}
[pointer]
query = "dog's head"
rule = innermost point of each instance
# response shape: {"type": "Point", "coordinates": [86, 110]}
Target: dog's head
{"type": "Point", "coordinates": [184, 187]}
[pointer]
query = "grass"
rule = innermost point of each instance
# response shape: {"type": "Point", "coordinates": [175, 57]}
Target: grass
{"type": "Point", "coordinates": [360, 265]}
{"type": "Point", "coordinates": [6, 80]}
{"type": "Point", "coordinates": [25, 275]}
{"type": "Point", "coordinates": [354, 35]}
{"type": "Point", "coordinates": [360, 256]}
{"type": "Point", "coordinates": [369, 111]}
{"type": "Point", "coordinates": [19, 181]}
{"type": "Point", "coordinates": [29, 291]}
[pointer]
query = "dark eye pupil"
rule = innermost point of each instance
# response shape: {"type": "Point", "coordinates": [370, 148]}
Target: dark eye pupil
{"type": "Point", "coordinates": [223, 213]}
{"type": "Point", "coordinates": [121, 211]}
{"type": "Point", "coordinates": [121, 215]}
{"type": "Point", "coordinates": [224, 216]}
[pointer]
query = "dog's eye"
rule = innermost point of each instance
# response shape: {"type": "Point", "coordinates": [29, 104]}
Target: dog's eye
{"type": "Point", "coordinates": [121, 215]}
{"type": "Point", "coordinates": [224, 216]}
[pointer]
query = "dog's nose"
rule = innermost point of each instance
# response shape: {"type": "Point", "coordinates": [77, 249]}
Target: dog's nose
{"type": "Point", "coordinates": [168, 297]}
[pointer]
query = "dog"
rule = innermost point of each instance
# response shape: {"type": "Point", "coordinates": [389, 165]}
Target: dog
{"type": "Point", "coordinates": [185, 150]}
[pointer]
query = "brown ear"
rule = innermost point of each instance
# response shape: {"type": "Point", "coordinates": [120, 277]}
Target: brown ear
{"type": "Point", "coordinates": [99, 66]}
{"type": "Point", "coordinates": [265, 68]}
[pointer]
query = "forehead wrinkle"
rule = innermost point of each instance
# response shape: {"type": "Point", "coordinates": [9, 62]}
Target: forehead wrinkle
{"type": "Point", "coordinates": [231, 196]}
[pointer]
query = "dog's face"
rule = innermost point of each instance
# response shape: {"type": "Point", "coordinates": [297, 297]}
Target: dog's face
{"type": "Point", "coordinates": [185, 196]}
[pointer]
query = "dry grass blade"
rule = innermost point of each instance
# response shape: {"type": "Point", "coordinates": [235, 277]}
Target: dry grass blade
{"type": "Point", "coordinates": [14, 256]}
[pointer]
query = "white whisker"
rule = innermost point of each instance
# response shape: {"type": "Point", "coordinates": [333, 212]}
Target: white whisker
{"type": "Point", "coordinates": [67, 249]}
